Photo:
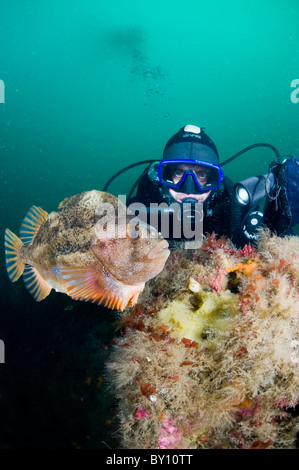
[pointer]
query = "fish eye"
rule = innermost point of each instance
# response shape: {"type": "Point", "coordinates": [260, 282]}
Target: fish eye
{"type": "Point", "coordinates": [133, 233]}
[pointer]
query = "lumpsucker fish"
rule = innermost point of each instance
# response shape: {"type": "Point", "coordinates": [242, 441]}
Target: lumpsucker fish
{"type": "Point", "coordinates": [89, 249]}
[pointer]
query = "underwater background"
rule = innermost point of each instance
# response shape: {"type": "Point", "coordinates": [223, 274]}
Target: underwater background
{"type": "Point", "coordinates": [91, 87]}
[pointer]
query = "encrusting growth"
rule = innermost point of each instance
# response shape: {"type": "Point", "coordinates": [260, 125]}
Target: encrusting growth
{"type": "Point", "coordinates": [209, 357]}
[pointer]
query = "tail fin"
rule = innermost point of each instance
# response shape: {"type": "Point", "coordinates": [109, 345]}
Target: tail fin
{"type": "Point", "coordinates": [14, 266]}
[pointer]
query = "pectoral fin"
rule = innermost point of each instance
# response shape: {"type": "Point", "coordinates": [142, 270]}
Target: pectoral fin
{"type": "Point", "coordinates": [135, 294]}
{"type": "Point", "coordinates": [96, 284]}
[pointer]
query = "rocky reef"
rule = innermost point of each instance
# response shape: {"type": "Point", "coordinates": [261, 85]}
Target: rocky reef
{"type": "Point", "coordinates": [209, 357]}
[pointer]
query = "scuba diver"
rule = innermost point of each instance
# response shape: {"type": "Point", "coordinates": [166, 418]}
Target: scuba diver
{"type": "Point", "coordinates": [190, 174]}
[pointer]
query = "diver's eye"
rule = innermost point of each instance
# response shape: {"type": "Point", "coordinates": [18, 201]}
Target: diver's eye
{"type": "Point", "coordinates": [177, 174]}
{"type": "Point", "coordinates": [133, 232]}
{"type": "Point", "coordinates": [202, 175]}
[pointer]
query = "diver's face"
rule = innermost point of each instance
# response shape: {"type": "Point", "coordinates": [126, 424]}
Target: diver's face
{"type": "Point", "coordinates": [202, 174]}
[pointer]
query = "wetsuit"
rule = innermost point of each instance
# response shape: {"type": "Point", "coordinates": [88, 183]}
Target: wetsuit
{"type": "Point", "coordinates": [221, 213]}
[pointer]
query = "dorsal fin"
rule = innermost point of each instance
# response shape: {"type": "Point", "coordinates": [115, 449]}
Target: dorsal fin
{"type": "Point", "coordinates": [65, 200]}
{"type": "Point", "coordinates": [34, 219]}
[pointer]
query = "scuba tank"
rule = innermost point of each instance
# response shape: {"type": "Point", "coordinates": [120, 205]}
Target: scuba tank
{"type": "Point", "coordinates": [281, 211]}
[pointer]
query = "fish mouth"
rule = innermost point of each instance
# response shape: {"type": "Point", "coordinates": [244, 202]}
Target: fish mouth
{"type": "Point", "coordinates": [160, 250]}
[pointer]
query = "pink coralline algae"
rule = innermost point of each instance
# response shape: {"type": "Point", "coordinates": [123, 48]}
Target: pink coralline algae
{"type": "Point", "coordinates": [170, 435]}
{"type": "Point", "coordinates": [216, 284]}
{"type": "Point", "coordinates": [141, 413]}
{"type": "Point", "coordinates": [247, 251]}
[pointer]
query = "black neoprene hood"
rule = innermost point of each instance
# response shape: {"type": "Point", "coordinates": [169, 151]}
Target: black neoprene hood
{"type": "Point", "coordinates": [188, 145]}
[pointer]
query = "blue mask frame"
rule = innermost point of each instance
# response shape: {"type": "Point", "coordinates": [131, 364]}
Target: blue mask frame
{"type": "Point", "coordinates": [166, 182]}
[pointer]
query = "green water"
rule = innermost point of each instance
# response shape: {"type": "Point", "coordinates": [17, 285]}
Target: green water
{"type": "Point", "coordinates": [93, 86]}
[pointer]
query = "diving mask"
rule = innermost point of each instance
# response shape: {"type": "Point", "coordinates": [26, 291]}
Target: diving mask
{"type": "Point", "coordinates": [188, 176]}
